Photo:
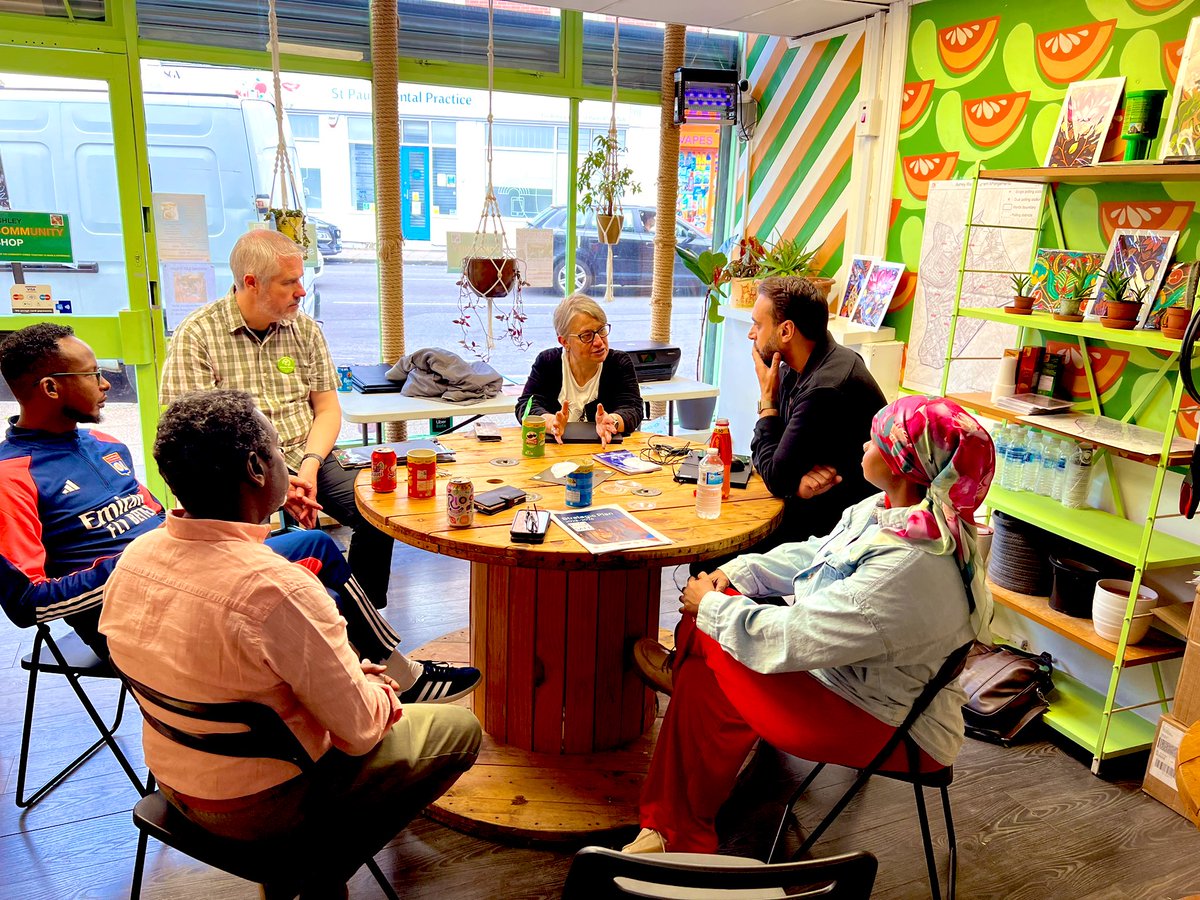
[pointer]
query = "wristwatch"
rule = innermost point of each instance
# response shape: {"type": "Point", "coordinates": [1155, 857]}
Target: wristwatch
{"type": "Point", "coordinates": [760, 406]}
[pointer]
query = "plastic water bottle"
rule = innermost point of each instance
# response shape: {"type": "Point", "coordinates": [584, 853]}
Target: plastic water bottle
{"type": "Point", "coordinates": [1014, 462]}
{"type": "Point", "coordinates": [1001, 439]}
{"type": "Point", "coordinates": [1033, 464]}
{"type": "Point", "coordinates": [1051, 451]}
{"type": "Point", "coordinates": [1079, 476]}
{"type": "Point", "coordinates": [710, 479]}
{"type": "Point", "coordinates": [1065, 448]}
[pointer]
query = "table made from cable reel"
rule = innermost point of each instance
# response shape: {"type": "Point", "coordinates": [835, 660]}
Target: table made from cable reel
{"type": "Point", "coordinates": [568, 722]}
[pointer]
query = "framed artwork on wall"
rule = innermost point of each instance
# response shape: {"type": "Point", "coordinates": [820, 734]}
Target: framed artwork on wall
{"type": "Point", "coordinates": [1183, 121]}
{"type": "Point", "coordinates": [856, 282]}
{"type": "Point", "coordinates": [877, 294]}
{"type": "Point", "coordinates": [1142, 255]}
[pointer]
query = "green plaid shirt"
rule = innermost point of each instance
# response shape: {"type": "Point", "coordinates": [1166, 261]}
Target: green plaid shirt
{"type": "Point", "coordinates": [214, 348]}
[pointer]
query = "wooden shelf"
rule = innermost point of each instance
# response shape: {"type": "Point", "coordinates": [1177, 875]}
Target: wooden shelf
{"type": "Point", "coordinates": [981, 402]}
{"type": "Point", "coordinates": [1126, 172]}
{"type": "Point", "coordinates": [1155, 647]}
{"type": "Point", "coordinates": [1094, 331]}
{"type": "Point", "coordinates": [1102, 531]}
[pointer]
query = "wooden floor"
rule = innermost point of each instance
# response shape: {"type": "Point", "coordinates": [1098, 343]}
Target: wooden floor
{"type": "Point", "coordinates": [1032, 822]}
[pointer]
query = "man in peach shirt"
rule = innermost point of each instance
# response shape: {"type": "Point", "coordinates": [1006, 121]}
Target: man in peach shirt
{"type": "Point", "coordinates": [266, 631]}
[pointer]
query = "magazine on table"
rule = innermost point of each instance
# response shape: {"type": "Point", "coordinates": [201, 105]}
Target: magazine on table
{"type": "Point", "coordinates": [602, 529]}
{"type": "Point", "coordinates": [626, 461]}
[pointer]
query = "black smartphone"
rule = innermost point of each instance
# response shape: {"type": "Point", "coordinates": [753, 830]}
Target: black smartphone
{"type": "Point", "coordinates": [501, 498]}
{"type": "Point", "coordinates": [486, 431]}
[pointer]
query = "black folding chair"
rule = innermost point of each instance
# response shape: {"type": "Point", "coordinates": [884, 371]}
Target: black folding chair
{"type": "Point", "coordinates": [938, 778]}
{"type": "Point", "coordinates": [71, 657]}
{"type": "Point", "coordinates": [600, 874]}
{"type": "Point", "coordinates": [269, 861]}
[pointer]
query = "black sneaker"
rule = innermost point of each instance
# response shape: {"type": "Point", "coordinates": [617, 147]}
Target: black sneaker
{"type": "Point", "coordinates": [441, 683]}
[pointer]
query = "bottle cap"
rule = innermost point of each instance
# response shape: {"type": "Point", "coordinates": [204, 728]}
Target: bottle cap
{"type": "Point", "coordinates": [722, 423]}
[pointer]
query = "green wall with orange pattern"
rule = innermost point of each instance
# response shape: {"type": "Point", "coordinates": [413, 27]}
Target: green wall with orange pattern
{"type": "Point", "coordinates": [985, 82]}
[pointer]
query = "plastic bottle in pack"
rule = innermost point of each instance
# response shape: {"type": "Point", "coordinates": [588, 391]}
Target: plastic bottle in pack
{"type": "Point", "coordinates": [1065, 449]}
{"type": "Point", "coordinates": [1001, 440]}
{"type": "Point", "coordinates": [1014, 461]}
{"type": "Point", "coordinates": [710, 477]}
{"type": "Point", "coordinates": [1051, 451]}
{"type": "Point", "coordinates": [1033, 463]}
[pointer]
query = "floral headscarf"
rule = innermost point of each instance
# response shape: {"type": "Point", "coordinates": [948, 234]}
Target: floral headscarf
{"type": "Point", "coordinates": [934, 442]}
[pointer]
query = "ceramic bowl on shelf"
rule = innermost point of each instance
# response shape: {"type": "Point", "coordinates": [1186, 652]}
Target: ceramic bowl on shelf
{"type": "Point", "coordinates": [1108, 626]}
{"type": "Point", "coordinates": [1108, 609]}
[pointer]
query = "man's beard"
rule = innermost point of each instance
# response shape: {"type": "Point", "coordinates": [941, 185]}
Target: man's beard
{"type": "Point", "coordinates": [78, 415]}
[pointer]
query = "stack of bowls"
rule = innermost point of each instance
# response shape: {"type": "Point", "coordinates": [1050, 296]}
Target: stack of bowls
{"type": "Point", "coordinates": [1108, 610]}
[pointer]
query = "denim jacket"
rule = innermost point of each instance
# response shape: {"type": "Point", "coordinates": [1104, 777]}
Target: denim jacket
{"type": "Point", "coordinates": [872, 620]}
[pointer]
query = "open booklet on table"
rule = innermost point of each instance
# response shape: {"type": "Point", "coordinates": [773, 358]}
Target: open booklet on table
{"type": "Point", "coordinates": [602, 529]}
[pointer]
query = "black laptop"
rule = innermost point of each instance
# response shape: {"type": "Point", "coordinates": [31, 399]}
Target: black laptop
{"type": "Point", "coordinates": [739, 472]}
{"type": "Point", "coordinates": [584, 433]}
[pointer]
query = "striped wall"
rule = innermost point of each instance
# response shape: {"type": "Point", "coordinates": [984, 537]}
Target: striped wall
{"type": "Point", "coordinates": [792, 177]}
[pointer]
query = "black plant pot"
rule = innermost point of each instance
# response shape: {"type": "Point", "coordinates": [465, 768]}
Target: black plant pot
{"type": "Point", "coordinates": [1074, 586]}
{"type": "Point", "coordinates": [696, 414]}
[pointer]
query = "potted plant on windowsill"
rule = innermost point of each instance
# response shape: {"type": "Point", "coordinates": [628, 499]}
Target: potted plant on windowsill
{"type": "Point", "coordinates": [743, 272]}
{"type": "Point", "coordinates": [602, 182]}
{"type": "Point", "coordinates": [787, 256]}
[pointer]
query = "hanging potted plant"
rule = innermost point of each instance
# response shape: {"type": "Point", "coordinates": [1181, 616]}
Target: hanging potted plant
{"type": "Point", "coordinates": [602, 182]}
{"type": "Point", "coordinates": [290, 223]}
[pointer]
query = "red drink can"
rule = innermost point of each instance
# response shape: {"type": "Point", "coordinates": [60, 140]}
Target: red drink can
{"type": "Point", "coordinates": [422, 474]}
{"type": "Point", "coordinates": [723, 441]}
{"type": "Point", "coordinates": [460, 502]}
{"type": "Point", "coordinates": [383, 470]}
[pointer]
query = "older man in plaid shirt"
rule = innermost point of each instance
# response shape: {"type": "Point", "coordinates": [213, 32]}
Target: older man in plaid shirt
{"type": "Point", "coordinates": [255, 339]}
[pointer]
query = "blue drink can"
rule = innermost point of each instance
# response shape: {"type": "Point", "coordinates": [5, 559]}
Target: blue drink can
{"type": "Point", "coordinates": [579, 486]}
{"type": "Point", "coordinates": [345, 379]}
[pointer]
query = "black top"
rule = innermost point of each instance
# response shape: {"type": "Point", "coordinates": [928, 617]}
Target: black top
{"type": "Point", "coordinates": [824, 418]}
{"type": "Point", "coordinates": [618, 389]}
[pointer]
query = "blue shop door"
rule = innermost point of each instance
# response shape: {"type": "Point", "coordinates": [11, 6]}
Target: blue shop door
{"type": "Point", "coordinates": [414, 187]}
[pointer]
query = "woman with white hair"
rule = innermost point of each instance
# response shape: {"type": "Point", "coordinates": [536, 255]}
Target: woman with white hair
{"type": "Point", "coordinates": [583, 380]}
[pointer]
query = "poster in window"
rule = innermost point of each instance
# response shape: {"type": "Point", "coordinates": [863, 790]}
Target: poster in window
{"type": "Point", "coordinates": [181, 227]}
{"type": "Point", "coordinates": [535, 248]}
{"type": "Point", "coordinates": [185, 288]}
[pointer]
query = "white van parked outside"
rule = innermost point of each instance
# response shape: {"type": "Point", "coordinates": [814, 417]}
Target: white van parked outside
{"type": "Point", "coordinates": [56, 152]}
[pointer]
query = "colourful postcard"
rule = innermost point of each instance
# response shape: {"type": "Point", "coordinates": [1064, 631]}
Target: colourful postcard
{"type": "Point", "coordinates": [1182, 137]}
{"type": "Point", "coordinates": [856, 280]}
{"type": "Point", "coordinates": [877, 294]}
{"type": "Point", "coordinates": [1051, 276]}
{"type": "Point", "coordinates": [1142, 255]}
{"type": "Point", "coordinates": [1178, 289]}
{"type": "Point", "coordinates": [1087, 111]}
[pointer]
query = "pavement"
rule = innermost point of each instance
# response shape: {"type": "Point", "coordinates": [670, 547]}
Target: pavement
{"type": "Point", "coordinates": [426, 255]}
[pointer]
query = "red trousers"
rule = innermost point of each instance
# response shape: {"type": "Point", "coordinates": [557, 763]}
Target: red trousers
{"type": "Point", "coordinates": [718, 709]}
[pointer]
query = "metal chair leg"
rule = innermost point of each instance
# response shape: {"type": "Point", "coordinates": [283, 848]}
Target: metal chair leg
{"type": "Point", "coordinates": [935, 888]}
{"type": "Point", "coordinates": [135, 889]}
{"type": "Point", "coordinates": [949, 816]}
{"type": "Point", "coordinates": [383, 882]}
{"type": "Point", "coordinates": [787, 809]}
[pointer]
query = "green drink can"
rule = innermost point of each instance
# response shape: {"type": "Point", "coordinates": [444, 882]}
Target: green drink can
{"type": "Point", "coordinates": [533, 436]}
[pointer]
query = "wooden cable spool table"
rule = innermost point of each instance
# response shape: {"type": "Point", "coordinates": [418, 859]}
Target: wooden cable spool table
{"type": "Point", "coordinates": [568, 722]}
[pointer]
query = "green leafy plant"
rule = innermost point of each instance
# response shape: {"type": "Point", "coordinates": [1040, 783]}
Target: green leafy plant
{"type": "Point", "coordinates": [747, 261]}
{"type": "Point", "coordinates": [290, 223]}
{"type": "Point", "coordinates": [1020, 283]}
{"type": "Point", "coordinates": [707, 267]}
{"type": "Point", "coordinates": [1116, 286]}
{"type": "Point", "coordinates": [787, 256]}
{"type": "Point", "coordinates": [601, 179]}
{"type": "Point", "coordinates": [1080, 273]}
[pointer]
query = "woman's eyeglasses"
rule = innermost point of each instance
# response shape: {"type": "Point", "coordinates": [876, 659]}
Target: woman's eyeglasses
{"type": "Point", "coordinates": [586, 337]}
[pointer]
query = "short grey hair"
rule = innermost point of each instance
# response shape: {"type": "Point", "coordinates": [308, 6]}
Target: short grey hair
{"type": "Point", "coordinates": [261, 253]}
{"type": "Point", "coordinates": [573, 306]}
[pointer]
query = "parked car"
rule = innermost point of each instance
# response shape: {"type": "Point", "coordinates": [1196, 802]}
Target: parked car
{"type": "Point", "coordinates": [633, 256]}
{"type": "Point", "coordinates": [329, 237]}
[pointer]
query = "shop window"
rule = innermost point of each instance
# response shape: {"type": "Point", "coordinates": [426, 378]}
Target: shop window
{"type": "Point", "coordinates": [92, 10]}
{"type": "Point", "coordinates": [362, 176]}
{"type": "Point", "coordinates": [587, 137]}
{"type": "Point", "coordinates": [639, 61]}
{"type": "Point", "coordinates": [359, 129]}
{"type": "Point", "coordinates": [414, 131]}
{"type": "Point", "coordinates": [304, 127]}
{"type": "Point", "coordinates": [523, 203]}
{"type": "Point", "coordinates": [526, 36]}
{"type": "Point", "coordinates": [444, 133]}
{"type": "Point", "coordinates": [445, 181]}
{"type": "Point", "coordinates": [511, 136]}
{"type": "Point", "coordinates": [311, 179]}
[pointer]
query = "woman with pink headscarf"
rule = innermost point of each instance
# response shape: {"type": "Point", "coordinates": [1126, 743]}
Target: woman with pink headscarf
{"type": "Point", "coordinates": [879, 605]}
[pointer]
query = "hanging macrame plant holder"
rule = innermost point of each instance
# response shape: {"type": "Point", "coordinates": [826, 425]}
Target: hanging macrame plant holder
{"type": "Point", "coordinates": [288, 216]}
{"type": "Point", "coordinates": [608, 226]}
{"type": "Point", "coordinates": [490, 270]}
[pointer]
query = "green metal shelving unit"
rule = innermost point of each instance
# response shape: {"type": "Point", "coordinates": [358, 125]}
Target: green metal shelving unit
{"type": "Point", "coordinates": [1092, 719]}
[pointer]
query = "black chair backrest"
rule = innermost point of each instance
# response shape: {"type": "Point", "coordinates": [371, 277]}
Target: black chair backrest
{"type": "Point", "coordinates": [593, 874]}
{"type": "Point", "coordinates": [263, 735]}
{"type": "Point", "coordinates": [949, 670]}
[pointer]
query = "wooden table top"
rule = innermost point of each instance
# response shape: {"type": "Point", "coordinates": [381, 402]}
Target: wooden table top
{"type": "Point", "coordinates": [746, 517]}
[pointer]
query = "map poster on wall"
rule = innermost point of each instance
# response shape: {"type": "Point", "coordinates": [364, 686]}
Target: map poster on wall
{"type": "Point", "coordinates": [1083, 122]}
{"type": "Point", "coordinates": [181, 227]}
{"type": "Point", "coordinates": [1183, 121]}
{"type": "Point", "coordinates": [995, 253]}
{"type": "Point", "coordinates": [535, 248]}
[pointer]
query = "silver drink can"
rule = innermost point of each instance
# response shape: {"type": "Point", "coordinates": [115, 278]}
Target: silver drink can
{"type": "Point", "coordinates": [460, 502]}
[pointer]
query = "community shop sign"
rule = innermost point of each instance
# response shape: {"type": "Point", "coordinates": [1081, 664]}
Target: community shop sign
{"type": "Point", "coordinates": [30, 237]}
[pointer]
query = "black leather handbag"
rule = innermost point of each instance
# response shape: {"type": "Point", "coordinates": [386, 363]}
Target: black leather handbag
{"type": "Point", "coordinates": [1006, 691]}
